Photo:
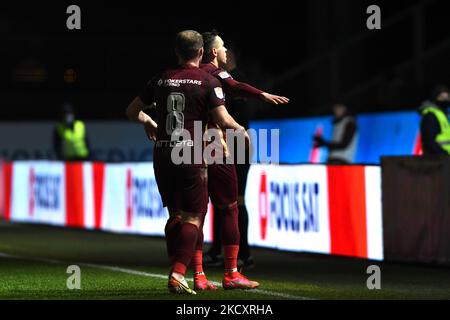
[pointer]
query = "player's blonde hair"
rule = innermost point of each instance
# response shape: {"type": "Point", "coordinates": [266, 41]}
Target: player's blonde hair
{"type": "Point", "coordinates": [188, 43]}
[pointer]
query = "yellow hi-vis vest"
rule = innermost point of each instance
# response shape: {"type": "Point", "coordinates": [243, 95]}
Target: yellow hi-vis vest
{"type": "Point", "coordinates": [443, 138]}
{"type": "Point", "coordinates": [74, 142]}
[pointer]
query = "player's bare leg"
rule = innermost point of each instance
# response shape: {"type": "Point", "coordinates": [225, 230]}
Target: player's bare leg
{"type": "Point", "coordinates": [185, 244]}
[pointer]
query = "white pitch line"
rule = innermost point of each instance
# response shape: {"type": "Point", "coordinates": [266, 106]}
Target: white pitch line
{"type": "Point", "coordinates": [160, 276]}
{"type": "Point", "coordinates": [147, 274]}
{"type": "Point", "coordinates": [124, 270]}
{"type": "Point", "coordinates": [9, 256]}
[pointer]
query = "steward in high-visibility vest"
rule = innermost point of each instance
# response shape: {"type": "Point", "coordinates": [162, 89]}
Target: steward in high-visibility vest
{"type": "Point", "coordinates": [73, 141]}
{"type": "Point", "coordinates": [69, 137]}
{"type": "Point", "coordinates": [443, 138]}
{"type": "Point", "coordinates": [434, 126]}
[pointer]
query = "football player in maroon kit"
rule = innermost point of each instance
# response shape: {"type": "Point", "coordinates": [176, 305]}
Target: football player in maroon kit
{"type": "Point", "coordinates": [222, 179]}
{"type": "Point", "coordinates": [184, 95]}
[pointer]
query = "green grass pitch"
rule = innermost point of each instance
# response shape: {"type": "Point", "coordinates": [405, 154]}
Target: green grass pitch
{"type": "Point", "coordinates": [34, 260]}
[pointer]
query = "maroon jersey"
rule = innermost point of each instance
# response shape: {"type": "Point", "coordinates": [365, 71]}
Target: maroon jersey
{"type": "Point", "coordinates": [183, 96]}
{"type": "Point", "coordinates": [229, 85]}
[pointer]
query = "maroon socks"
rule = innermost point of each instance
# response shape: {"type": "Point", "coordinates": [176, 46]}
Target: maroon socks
{"type": "Point", "coordinates": [230, 225]}
{"type": "Point", "coordinates": [171, 230]}
{"type": "Point", "coordinates": [230, 237]}
{"type": "Point", "coordinates": [184, 247]}
{"type": "Point", "coordinates": [197, 258]}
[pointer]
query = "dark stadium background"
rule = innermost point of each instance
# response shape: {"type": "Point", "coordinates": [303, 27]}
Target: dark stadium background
{"type": "Point", "coordinates": [313, 51]}
{"type": "Point", "coordinates": [316, 52]}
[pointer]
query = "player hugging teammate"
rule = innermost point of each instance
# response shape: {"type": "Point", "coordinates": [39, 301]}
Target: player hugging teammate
{"type": "Point", "coordinates": [187, 98]}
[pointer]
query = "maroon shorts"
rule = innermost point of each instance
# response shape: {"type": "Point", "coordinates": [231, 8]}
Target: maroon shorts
{"type": "Point", "coordinates": [222, 184]}
{"type": "Point", "coordinates": [182, 188]}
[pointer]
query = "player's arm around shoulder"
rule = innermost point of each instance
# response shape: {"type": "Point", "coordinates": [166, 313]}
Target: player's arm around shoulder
{"type": "Point", "coordinates": [224, 120]}
{"type": "Point", "coordinates": [216, 104]}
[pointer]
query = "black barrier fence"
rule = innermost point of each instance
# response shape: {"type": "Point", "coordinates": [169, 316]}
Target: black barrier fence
{"type": "Point", "coordinates": [416, 209]}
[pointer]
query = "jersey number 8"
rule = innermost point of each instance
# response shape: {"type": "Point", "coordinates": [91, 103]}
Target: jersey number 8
{"type": "Point", "coordinates": [175, 116]}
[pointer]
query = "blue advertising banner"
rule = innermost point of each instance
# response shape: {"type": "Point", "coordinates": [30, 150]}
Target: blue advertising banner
{"type": "Point", "coordinates": [387, 134]}
{"type": "Point", "coordinates": [296, 138]}
{"type": "Point", "coordinates": [380, 134]}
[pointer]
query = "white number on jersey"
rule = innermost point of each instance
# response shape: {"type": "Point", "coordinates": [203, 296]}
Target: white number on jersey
{"type": "Point", "coordinates": [175, 117]}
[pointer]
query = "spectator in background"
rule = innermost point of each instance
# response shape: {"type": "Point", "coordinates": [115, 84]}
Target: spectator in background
{"type": "Point", "coordinates": [342, 146]}
{"type": "Point", "coordinates": [434, 126]}
{"type": "Point", "coordinates": [69, 137]}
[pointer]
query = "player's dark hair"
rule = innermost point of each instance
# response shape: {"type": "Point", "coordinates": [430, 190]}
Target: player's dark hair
{"type": "Point", "coordinates": [187, 44]}
{"type": "Point", "coordinates": [208, 41]}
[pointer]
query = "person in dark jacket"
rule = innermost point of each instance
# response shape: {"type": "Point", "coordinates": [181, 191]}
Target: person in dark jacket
{"type": "Point", "coordinates": [342, 146]}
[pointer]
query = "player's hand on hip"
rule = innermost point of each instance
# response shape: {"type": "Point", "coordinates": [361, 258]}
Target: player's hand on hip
{"type": "Point", "coordinates": [273, 99]}
{"type": "Point", "coordinates": [244, 132]}
{"type": "Point", "coordinates": [150, 128]}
